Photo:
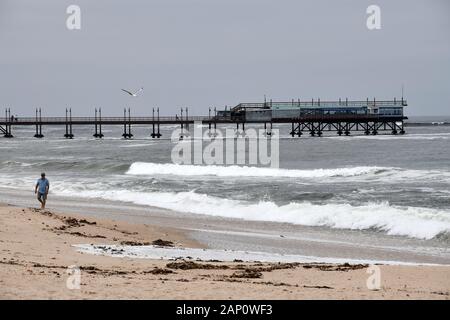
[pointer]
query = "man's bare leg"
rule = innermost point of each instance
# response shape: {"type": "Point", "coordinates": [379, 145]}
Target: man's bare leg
{"type": "Point", "coordinates": [42, 203]}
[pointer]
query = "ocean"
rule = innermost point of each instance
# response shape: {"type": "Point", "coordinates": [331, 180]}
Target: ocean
{"type": "Point", "coordinates": [369, 187]}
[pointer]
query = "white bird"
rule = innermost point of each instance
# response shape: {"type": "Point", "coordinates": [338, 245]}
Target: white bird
{"type": "Point", "coordinates": [133, 94]}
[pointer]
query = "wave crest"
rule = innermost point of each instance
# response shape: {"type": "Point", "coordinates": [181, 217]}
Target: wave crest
{"type": "Point", "coordinates": [146, 168]}
{"type": "Point", "coordinates": [417, 222]}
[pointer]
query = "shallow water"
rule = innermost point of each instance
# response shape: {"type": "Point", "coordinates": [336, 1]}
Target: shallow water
{"type": "Point", "coordinates": [396, 185]}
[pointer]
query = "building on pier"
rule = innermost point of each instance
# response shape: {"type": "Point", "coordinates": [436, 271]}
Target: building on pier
{"type": "Point", "coordinates": [276, 111]}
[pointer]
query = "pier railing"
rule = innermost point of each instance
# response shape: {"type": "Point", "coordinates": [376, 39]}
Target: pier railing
{"type": "Point", "coordinates": [105, 120]}
{"type": "Point", "coordinates": [190, 119]}
{"type": "Point", "coordinates": [319, 103]}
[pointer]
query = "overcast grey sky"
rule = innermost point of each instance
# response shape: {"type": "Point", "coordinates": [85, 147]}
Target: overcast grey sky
{"type": "Point", "coordinates": [201, 53]}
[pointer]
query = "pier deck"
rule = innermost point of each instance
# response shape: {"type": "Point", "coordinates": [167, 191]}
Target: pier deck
{"type": "Point", "coordinates": [313, 124]}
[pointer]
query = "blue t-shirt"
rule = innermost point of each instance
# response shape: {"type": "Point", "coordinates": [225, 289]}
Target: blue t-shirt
{"type": "Point", "coordinates": [42, 185]}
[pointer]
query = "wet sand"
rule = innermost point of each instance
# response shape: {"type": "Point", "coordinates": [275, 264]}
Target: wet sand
{"type": "Point", "coordinates": [241, 235]}
{"type": "Point", "coordinates": [36, 247]}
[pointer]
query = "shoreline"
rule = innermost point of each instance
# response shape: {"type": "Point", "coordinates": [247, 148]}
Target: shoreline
{"type": "Point", "coordinates": [276, 238]}
{"type": "Point", "coordinates": [37, 246]}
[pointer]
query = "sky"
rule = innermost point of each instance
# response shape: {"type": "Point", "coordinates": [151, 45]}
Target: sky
{"type": "Point", "coordinates": [212, 53]}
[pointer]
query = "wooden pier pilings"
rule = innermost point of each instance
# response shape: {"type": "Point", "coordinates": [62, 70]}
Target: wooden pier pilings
{"type": "Point", "coordinates": [98, 124]}
{"type": "Point", "coordinates": [38, 133]}
{"type": "Point", "coordinates": [68, 123]}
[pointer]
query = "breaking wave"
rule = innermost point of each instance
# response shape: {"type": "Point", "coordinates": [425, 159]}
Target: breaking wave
{"type": "Point", "coordinates": [145, 168]}
{"type": "Point", "coordinates": [416, 222]}
{"type": "Point", "coordinates": [385, 173]}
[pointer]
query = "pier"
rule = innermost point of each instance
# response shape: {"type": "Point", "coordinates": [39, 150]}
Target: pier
{"type": "Point", "coordinates": [312, 117]}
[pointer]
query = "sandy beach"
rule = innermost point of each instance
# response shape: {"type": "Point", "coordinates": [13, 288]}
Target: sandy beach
{"type": "Point", "coordinates": [38, 246]}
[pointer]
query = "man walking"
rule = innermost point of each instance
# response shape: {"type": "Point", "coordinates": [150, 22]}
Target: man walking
{"type": "Point", "coordinates": [42, 187]}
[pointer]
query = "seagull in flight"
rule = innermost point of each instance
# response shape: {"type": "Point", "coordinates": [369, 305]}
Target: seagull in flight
{"type": "Point", "coordinates": [133, 94]}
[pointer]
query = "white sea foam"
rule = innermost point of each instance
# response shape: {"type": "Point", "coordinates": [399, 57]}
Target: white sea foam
{"type": "Point", "coordinates": [417, 222]}
{"type": "Point", "coordinates": [146, 168]}
{"type": "Point", "coordinates": [368, 172]}
{"type": "Point", "coordinates": [155, 252]}
{"type": "Point", "coordinates": [384, 137]}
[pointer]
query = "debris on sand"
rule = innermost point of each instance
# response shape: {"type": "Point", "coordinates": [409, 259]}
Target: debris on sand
{"type": "Point", "coordinates": [134, 243]}
{"type": "Point", "coordinates": [11, 262]}
{"type": "Point", "coordinates": [159, 242]}
{"type": "Point", "coordinates": [162, 243]}
{"type": "Point", "coordinates": [189, 265]}
{"type": "Point", "coordinates": [318, 287]}
{"type": "Point", "coordinates": [90, 269]}
{"type": "Point", "coordinates": [159, 271]}
{"type": "Point", "coordinates": [247, 273]}
{"type": "Point", "coordinates": [88, 222]}
{"type": "Point", "coordinates": [110, 250]}
{"type": "Point", "coordinates": [84, 235]}
{"type": "Point", "coordinates": [95, 270]}
{"type": "Point", "coordinates": [72, 222]}
{"type": "Point", "coordinates": [335, 267]}
{"type": "Point", "coordinates": [260, 267]}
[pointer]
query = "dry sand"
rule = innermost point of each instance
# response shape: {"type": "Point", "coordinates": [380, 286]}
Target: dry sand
{"type": "Point", "coordinates": [36, 249]}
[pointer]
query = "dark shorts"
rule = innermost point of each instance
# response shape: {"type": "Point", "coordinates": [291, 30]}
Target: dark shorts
{"type": "Point", "coordinates": [42, 196]}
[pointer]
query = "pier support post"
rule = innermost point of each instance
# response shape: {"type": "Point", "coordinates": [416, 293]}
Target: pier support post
{"type": "Point", "coordinates": [394, 128]}
{"type": "Point", "coordinates": [8, 124]}
{"type": "Point", "coordinates": [38, 133]}
{"type": "Point", "coordinates": [98, 123]}
{"type": "Point", "coordinates": [375, 131]}
{"type": "Point", "coordinates": [70, 123]}
{"type": "Point", "coordinates": [125, 135]}
{"type": "Point", "coordinates": [127, 124]}
{"type": "Point", "coordinates": [347, 130]}
{"type": "Point", "coordinates": [100, 134]}
{"type": "Point", "coordinates": [215, 122]}
{"type": "Point", "coordinates": [402, 130]}
{"type": "Point", "coordinates": [130, 135]}
{"type": "Point", "coordinates": [319, 129]}
{"type": "Point", "coordinates": [182, 127]}
{"type": "Point", "coordinates": [158, 134]}
{"type": "Point", "coordinates": [209, 122]}
{"type": "Point", "coordinates": [296, 128]}
{"type": "Point", "coordinates": [37, 126]}
{"type": "Point", "coordinates": [153, 135]}
{"type": "Point", "coordinates": [155, 123]}
{"type": "Point", "coordinates": [367, 130]}
{"type": "Point", "coordinates": [312, 130]}
{"type": "Point", "coordinates": [95, 135]}
{"type": "Point", "coordinates": [187, 119]}
{"type": "Point", "coordinates": [68, 134]}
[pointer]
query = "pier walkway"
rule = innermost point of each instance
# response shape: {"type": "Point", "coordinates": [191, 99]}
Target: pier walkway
{"type": "Point", "coordinates": [312, 124]}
